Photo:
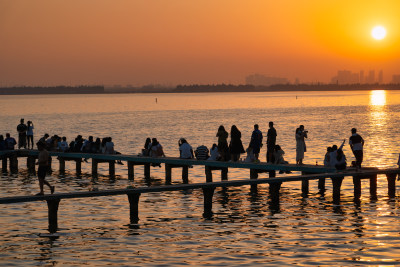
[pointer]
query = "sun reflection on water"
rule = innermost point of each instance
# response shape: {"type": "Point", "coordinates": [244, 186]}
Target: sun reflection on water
{"type": "Point", "coordinates": [378, 98]}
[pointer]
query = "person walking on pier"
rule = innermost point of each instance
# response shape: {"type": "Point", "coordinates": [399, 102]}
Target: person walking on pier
{"type": "Point", "coordinates": [29, 134]}
{"type": "Point", "coordinates": [301, 134]}
{"type": "Point", "coordinates": [256, 142]}
{"type": "Point", "coordinates": [22, 128]}
{"type": "Point", "coordinates": [43, 162]}
{"type": "Point", "coordinates": [356, 143]}
{"type": "Point", "coordinates": [236, 146]}
{"type": "Point", "coordinates": [271, 142]}
{"type": "Point", "coordinates": [223, 148]}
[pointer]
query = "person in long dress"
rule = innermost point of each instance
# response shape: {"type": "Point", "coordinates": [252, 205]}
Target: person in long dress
{"type": "Point", "coordinates": [301, 134]}
{"type": "Point", "coordinates": [236, 146]}
{"type": "Point", "coordinates": [223, 148]}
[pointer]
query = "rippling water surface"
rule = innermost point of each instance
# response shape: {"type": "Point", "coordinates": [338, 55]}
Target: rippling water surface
{"type": "Point", "coordinates": [244, 230]}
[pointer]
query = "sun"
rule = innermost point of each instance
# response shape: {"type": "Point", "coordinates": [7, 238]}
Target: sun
{"type": "Point", "coordinates": [378, 32]}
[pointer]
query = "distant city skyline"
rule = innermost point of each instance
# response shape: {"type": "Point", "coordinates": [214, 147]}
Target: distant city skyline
{"type": "Point", "coordinates": [102, 42]}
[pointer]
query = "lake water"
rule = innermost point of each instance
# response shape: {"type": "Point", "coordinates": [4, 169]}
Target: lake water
{"type": "Point", "coordinates": [244, 229]}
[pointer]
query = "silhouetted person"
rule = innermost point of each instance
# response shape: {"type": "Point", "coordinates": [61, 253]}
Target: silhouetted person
{"type": "Point", "coordinates": [146, 147]}
{"type": "Point", "coordinates": [327, 158]}
{"type": "Point", "coordinates": [271, 142]}
{"type": "Point", "coordinates": [185, 150]}
{"type": "Point", "coordinates": [223, 148]}
{"type": "Point", "coordinates": [10, 142]}
{"type": "Point", "coordinates": [301, 134]}
{"type": "Point", "coordinates": [43, 162]}
{"type": "Point", "coordinates": [340, 161]}
{"type": "Point", "coordinates": [256, 141]}
{"type": "Point", "coordinates": [43, 140]}
{"type": "Point", "coordinates": [29, 134]}
{"type": "Point", "coordinates": [236, 146]}
{"type": "Point", "coordinates": [214, 154]}
{"type": "Point", "coordinates": [22, 128]}
{"type": "Point", "coordinates": [202, 152]}
{"type": "Point", "coordinates": [2, 143]}
{"type": "Point", "coordinates": [356, 143]}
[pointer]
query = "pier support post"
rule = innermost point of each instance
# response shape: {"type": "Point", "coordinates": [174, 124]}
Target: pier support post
{"type": "Point", "coordinates": [391, 178]}
{"type": "Point", "coordinates": [78, 166]}
{"type": "Point", "coordinates": [168, 173]}
{"type": "Point", "coordinates": [111, 168]}
{"type": "Point", "coordinates": [52, 205]}
{"type": "Point", "coordinates": [185, 174]}
{"type": "Point", "coordinates": [208, 196]}
{"type": "Point", "coordinates": [134, 207]}
{"type": "Point", "coordinates": [373, 186]}
{"type": "Point", "coordinates": [357, 187]}
{"type": "Point", "coordinates": [305, 185]}
{"type": "Point", "coordinates": [224, 174]}
{"type": "Point", "coordinates": [62, 165]}
{"type": "Point", "coordinates": [147, 171]}
{"type": "Point", "coordinates": [253, 175]}
{"type": "Point", "coordinates": [31, 165]}
{"type": "Point", "coordinates": [208, 171]}
{"type": "Point", "coordinates": [337, 183]}
{"type": "Point", "coordinates": [94, 167]}
{"type": "Point", "coordinates": [14, 164]}
{"type": "Point", "coordinates": [321, 185]}
{"type": "Point", "coordinates": [131, 171]}
{"type": "Point", "coordinates": [4, 164]}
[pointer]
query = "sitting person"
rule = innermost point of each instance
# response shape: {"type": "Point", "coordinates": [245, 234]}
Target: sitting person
{"type": "Point", "coordinates": [156, 149]}
{"type": "Point", "coordinates": [63, 145]}
{"type": "Point", "coordinates": [250, 154]}
{"type": "Point", "coordinates": [185, 150]}
{"type": "Point", "coordinates": [278, 155]}
{"type": "Point", "coordinates": [327, 159]}
{"type": "Point", "coordinates": [214, 154]}
{"type": "Point", "coordinates": [145, 149]}
{"type": "Point", "coordinates": [87, 145]}
{"type": "Point", "coordinates": [109, 149]}
{"type": "Point", "coordinates": [201, 153]}
{"type": "Point", "coordinates": [340, 161]}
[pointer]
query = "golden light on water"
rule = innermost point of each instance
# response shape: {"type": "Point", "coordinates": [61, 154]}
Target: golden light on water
{"type": "Point", "coordinates": [377, 98]}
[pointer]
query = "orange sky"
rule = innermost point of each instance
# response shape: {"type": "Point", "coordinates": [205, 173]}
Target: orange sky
{"type": "Point", "coordinates": [53, 42]}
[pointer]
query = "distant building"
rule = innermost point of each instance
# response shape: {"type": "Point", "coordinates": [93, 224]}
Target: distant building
{"type": "Point", "coordinates": [346, 77]}
{"type": "Point", "coordinates": [371, 77]}
{"type": "Point", "coordinates": [361, 76]}
{"type": "Point", "coordinates": [261, 80]}
{"type": "Point", "coordinates": [380, 76]}
{"type": "Point", "coordinates": [396, 78]}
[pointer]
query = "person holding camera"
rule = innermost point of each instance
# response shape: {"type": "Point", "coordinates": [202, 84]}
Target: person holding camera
{"type": "Point", "coordinates": [301, 134]}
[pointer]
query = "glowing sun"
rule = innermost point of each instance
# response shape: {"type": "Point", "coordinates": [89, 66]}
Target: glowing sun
{"type": "Point", "coordinates": [378, 32]}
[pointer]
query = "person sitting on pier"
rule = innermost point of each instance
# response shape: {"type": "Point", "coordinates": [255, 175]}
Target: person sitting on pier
{"type": "Point", "coordinates": [87, 145]}
{"type": "Point", "coordinates": [340, 160]}
{"type": "Point", "coordinates": [43, 162]}
{"type": "Point", "coordinates": [201, 153]}
{"type": "Point", "coordinates": [22, 128]}
{"type": "Point", "coordinates": [327, 159]}
{"type": "Point", "coordinates": [156, 149]}
{"type": "Point", "coordinates": [185, 150]}
{"type": "Point", "coordinates": [77, 145]}
{"type": "Point", "coordinates": [333, 154]}
{"type": "Point", "coordinates": [10, 142]}
{"type": "Point", "coordinates": [96, 148]}
{"type": "Point", "coordinates": [214, 154]}
{"type": "Point", "coordinates": [250, 154]}
{"type": "Point", "coordinates": [109, 149]}
{"type": "Point", "coordinates": [2, 143]}
{"type": "Point", "coordinates": [278, 157]}
{"type": "Point", "coordinates": [145, 149]}
{"type": "Point", "coordinates": [43, 139]}
{"type": "Point", "coordinates": [63, 145]}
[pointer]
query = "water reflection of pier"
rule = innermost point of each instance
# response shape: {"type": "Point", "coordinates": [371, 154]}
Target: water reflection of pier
{"type": "Point", "coordinates": [309, 172]}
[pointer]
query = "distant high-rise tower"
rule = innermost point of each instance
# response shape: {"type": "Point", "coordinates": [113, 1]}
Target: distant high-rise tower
{"type": "Point", "coordinates": [371, 77]}
{"type": "Point", "coordinates": [380, 76]}
{"type": "Point", "coordinates": [361, 76]}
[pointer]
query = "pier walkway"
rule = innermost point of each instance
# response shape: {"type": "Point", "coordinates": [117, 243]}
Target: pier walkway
{"type": "Point", "coordinates": [308, 173]}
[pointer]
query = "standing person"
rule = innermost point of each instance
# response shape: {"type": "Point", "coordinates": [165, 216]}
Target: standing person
{"type": "Point", "coordinates": [356, 143]}
{"type": "Point", "coordinates": [22, 128]}
{"type": "Point", "coordinates": [256, 142]}
{"type": "Point", "coordinates": [301, 134]}
{"type": "Point", "coordinates": [271, 142]}
{"type": "Point", "coordinates": [223, 148]}
{"type": "Point", "coordinates": [29, 134]}
{"type": "Point", "coordinates": [2, 143]}
{"type": "Point", "coordinates": [10, 142]}
{"type": "Point", "coordinates": [185, 150]}
{"type": "Point", "coordinates": [43, 162]}
{"type": "Point", "coordinates": [236, 146]}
